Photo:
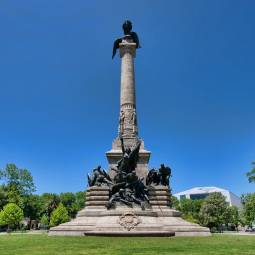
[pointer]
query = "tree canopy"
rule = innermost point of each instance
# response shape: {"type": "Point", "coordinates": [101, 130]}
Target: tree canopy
{"type": "Point", "coordinates": [17, 182]}
{"type": "Point", "coordinates": [213, 210]}
{"type": "Point", "coordinates": [251, 174]}
{"type": "Point", "coordinates": [190, 209]}
{"type": "Point", "coordinates": [248, 201]}
{"type": "Point", "coordinates": [59, 215]}
{"type": "Point", "coordinates": [3, 196]}
{"type": "Point", "coordinates": [11, 215]}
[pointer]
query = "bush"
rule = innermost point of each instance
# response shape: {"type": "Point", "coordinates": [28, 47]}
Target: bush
{"type": "Point", "coordinates": [59, 215]}
{"type": "Point", "coordinates": [11, 215]}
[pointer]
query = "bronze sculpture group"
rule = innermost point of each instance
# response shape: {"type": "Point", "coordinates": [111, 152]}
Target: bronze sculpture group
{"type": "Point", "coordinates": [126, 187]}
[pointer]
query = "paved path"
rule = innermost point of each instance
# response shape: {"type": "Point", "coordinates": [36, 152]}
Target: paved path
{"type": "Point", "coordinates": [29, 232]}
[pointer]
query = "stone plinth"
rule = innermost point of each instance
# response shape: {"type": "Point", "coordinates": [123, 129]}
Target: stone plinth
{"type": "Point", "coordinates": [97, 197]}
{"type": "Point", "coordinates": [156, 220]}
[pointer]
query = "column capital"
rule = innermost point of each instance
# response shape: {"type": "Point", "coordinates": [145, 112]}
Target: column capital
{"type": "Point", "coordinates": [127, 47]}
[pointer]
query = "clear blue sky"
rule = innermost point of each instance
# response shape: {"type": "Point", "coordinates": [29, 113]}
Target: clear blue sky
{"type": "Point", "coordinates": [195, 82]}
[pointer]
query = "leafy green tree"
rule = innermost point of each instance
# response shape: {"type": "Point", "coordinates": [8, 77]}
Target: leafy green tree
{"type": "Point", "coordinates": [11, 215]}
{"type": "Point", "coordinates": [251, 174]}
{"type": "Point", "coordinates": [232, 217]}
{"type": "Point", "coordinates": [80, 199]}
{"type": "Point", "coordinates": [59, 216]}
{"type": "Point", "coordinates": [248, 201]}
{"type": "Point", "coordinates": [190, 209]}
{"type": "Point", "coordinates": [73, 202]}
{"type": "Point", "coordinates": [212, 211]}
{"type": "Point", "coordinates": [3, 196]}
{"type": "Point", "coordinates": [68, 199]}
{"type": "Point", "coordinates": [175, 203]}
{"type": "Point", "coordinates": [18, 183]}
{"type": "Point", "coordinates": [50, 202]}
{"type": "Point", "coordinates": [33, 206]}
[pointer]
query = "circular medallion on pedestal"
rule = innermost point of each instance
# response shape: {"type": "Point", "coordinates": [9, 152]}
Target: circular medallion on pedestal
{"type": "Point", "coordinates": [129, 220]}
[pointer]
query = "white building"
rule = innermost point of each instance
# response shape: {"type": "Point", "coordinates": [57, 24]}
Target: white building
{"type": "Point", "coordinates": [203, 192]}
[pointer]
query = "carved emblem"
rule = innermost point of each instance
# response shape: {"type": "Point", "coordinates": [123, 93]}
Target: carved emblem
{"type": "Point", "coordinates": [129, 220]}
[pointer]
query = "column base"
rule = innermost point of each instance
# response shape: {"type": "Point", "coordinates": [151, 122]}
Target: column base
{"type": "Point", "coordinates": [115, 154]}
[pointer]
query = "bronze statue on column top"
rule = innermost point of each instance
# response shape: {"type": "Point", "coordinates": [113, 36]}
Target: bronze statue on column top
{"type": "Point", "coordinates": [128, 35]}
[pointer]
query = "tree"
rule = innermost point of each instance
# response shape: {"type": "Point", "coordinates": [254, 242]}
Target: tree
{"type": "Point", "coordinates": [175, 203]}
{"type": "Point", "coordinates": [251, 174]}
{"type": "Point", "coordinates": [50, 202]}
{"type": "Point", "coordinates": [11, 215]}
{"type": "Point", "coordinates": [33, 206]}
{"type": "Point", "coordinates": [44, 221]}
{"type": "Point", "coordinates": [19, 183]}
{"type": "Point", "coordinates": [212, 211]}
{"type": "Point", "coordinates": [68, 199]}
{"type": "Point", "coordinates": [248, 201]}
{"type": "Point", "coordinates": [3, 196]}
{"type": "Point", "coordinates": [59, 216]}
{"type": "Point", "coordinates": [190, 209]}
{"type": "Point", "coordinates": [231, 217]}
{"type": "Point", "coordinates": [80, 199]}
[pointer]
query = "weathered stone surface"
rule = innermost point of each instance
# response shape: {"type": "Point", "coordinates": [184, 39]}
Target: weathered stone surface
{"type": "Point", "coordinates": [95, 193]}
{"type": "Point", "coordinates": [147, 223]}
{"type": "Point", "coordinates": [158, 220]}
{"type": "Point", "coordinates": [99, 188]}
{"type": "Point", "coordinates": [158, 193]}
{"type": "Point", "coordinates": [99, 198]}
{"type": "Point", "coordinates": [89, 203]}
{"type": "Point", "coordinates": [159, 202]}
{"type": "Point", "coordinates": [159, 198]}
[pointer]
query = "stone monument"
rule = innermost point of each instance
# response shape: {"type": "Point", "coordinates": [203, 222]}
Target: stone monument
{"type": "Point", "coordinates": [129, 199]}
{"type": "Point", "coordinates": [128, 128]}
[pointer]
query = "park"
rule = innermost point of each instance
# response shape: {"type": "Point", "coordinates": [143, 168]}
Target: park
{"type": "Point", "coordinates": [126, 201]}
{"type": "Point", "coordinates": [44, 245]}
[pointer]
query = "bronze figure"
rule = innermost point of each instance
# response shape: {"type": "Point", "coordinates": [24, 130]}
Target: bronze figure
{"type": "Point", "coordinates": [128, 35]}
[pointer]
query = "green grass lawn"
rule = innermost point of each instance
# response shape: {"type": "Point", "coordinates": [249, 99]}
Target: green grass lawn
{"type": "Point", "coordinates": [42, 245]}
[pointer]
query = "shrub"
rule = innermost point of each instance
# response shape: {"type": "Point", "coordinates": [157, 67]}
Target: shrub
{"type": "Point", "coordinates": [44, 222]}
{"type": "Point", "coordinates": [59, 215]}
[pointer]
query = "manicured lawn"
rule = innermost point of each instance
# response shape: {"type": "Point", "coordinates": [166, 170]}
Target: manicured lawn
{"type": "Point", "coordinates": [42, 245]}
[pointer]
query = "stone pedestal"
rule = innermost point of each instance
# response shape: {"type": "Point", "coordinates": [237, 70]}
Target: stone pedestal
{"type": "Point", "coordinates": [156, 220]}
{"type": "Point", "coordinates": [97, 197]}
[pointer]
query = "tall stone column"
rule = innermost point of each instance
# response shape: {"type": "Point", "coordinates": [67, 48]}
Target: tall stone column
{"type": "Point", "coordinates": [128, 118]}
{"type": "Point", "coordinates": [128, 128]}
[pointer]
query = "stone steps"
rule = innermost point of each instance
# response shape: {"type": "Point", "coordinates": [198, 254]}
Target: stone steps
{"type": "Point", "coordinates": [156, 220]}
